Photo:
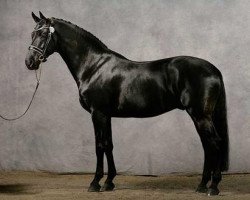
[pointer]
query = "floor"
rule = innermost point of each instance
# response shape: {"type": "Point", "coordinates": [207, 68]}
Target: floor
{"type": "Point", "coordinates": [50, 186]}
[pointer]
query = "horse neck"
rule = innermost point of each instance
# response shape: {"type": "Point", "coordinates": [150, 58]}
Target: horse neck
{"type": "Point", "coordinates": [78, 52]}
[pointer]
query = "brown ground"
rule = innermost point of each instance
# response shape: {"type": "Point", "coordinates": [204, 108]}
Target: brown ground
{"type": "Point", "coordinates": [39, 185]}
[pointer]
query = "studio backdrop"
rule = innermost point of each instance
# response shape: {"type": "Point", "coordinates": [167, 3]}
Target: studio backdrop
{"type": "Point", "coordinates": [57, 133]}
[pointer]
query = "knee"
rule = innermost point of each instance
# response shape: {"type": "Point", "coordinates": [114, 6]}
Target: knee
{"type": "Point", "coordinates": [105, 146]}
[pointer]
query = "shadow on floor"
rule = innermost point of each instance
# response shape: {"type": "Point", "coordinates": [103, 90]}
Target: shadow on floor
{"type": "Point", "coordinates": [14, 189]}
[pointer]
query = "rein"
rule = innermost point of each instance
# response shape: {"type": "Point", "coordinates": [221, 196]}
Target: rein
{"type": "Point", "coordinates": [38, 77]}
{"type": "Point", "coordinates": [42, 59]}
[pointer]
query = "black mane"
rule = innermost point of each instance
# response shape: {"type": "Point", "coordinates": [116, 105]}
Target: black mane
{"type": "Point", "coordinates": [83, 33]}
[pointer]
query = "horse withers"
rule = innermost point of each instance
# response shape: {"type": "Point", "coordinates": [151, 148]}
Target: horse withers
{"type": "Point", "coordinates": [111, 85]}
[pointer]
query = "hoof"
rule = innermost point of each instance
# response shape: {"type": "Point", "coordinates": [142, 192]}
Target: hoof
{"type": "Point", "coordinates": [108, 187]}
{"type": "Point", "coordinates": [202, 189]}
{"type": "Point", "coordinates": [212, 192]}
{"type": "Point", "coordinates": [94, 187]}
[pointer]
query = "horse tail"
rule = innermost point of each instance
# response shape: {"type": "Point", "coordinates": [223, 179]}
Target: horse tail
{"type": "Point", "coordinates": [221, 126]}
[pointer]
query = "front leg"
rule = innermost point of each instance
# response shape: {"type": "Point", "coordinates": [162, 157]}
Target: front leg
{"type": "Point", "coordinates": [109, 185]}
{"type": "Point", "coordinates": [102, 127]}
{"type": "Point", "coordinates": [94, 185]}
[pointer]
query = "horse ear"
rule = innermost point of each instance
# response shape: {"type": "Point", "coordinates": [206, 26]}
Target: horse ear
{"type": "Point", "coordinates": [36, 19]}
{"type": "Point", "coordinates": [42, 16]}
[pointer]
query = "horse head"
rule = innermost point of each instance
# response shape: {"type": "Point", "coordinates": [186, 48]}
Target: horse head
{"type": "Point", "coordinates": [43, 42]}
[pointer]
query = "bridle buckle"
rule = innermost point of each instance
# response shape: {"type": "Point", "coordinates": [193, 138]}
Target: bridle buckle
{"type": "Point", "coordinates": [42, 58]}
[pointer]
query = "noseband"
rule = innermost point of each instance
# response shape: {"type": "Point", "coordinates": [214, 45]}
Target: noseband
{"type": "Point", "coordinates": [42, 52]}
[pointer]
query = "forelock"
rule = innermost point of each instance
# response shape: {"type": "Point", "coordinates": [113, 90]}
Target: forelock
{"type": "Point", "coordinates": [41, 24]}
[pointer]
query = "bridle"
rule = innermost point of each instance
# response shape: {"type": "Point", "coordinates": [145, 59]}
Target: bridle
{"type": "Point", "coordinates": [42, 52]}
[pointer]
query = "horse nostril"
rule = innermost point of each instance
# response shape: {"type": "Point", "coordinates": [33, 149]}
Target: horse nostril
{"type": "Point", "coordinates": [29, 62]}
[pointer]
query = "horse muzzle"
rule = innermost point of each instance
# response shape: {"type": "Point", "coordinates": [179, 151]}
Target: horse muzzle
{"type": "Point", "coordinates": [31, 64]}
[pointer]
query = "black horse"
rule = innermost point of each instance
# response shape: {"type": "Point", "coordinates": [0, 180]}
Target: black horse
{"type": "Point", "coordinates": [111, 85]}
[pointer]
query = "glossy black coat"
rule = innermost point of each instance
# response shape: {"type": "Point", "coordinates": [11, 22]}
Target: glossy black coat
{"type": "Point", "coordinates": [111, 85]}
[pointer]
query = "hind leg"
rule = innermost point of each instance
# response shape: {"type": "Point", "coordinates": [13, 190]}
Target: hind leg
{"type": "Point", "coordinates": [210, 141]}
{"type": "Point", "coordinates": [109, 185]}
{"type": "Point", "coordinates": [206, 175]}
{"type": "Point", "coordinates": [207, 169]}
{"type": "Point", "coordinates": [216, 178]}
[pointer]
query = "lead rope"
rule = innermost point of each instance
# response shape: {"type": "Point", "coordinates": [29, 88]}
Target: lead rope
{"type": "Point", "coordinates": [38, 77]}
